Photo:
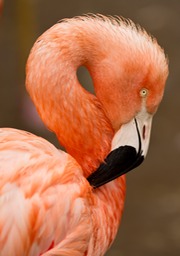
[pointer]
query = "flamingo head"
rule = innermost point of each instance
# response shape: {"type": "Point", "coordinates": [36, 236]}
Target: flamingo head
{"type": "Point", "coordinates": [131, 90]}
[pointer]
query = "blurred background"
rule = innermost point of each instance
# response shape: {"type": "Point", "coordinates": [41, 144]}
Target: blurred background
{"type": "Point", "coordinates": [151, 220]}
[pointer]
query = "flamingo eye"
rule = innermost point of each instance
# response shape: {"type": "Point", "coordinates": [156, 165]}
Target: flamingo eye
{"type": "Point", "coordinates": [143, 92]}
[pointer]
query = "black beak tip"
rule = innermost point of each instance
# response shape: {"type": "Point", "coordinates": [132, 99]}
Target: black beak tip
{"type": "Point", "coordinates": [117, 163]}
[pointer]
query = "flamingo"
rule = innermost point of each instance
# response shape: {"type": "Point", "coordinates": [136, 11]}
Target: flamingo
{"type": "Point", "coordinates": [58, 203]}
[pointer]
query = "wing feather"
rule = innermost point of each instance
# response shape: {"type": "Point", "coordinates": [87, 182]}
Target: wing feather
{"type": "Point", "coordinates": [43, 197]}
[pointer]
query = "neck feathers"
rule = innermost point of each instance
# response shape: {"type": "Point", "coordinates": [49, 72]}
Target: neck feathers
{"type": "Point", "coordinates": [76, 116]}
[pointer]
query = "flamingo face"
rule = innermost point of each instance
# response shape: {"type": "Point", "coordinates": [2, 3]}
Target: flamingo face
{"type": "Point", "coordinates": [129, 146]}
{"type": "Point", "coordinates": [128, 150]}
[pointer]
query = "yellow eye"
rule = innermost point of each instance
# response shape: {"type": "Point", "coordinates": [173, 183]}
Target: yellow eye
{"type": "Point", "coordinates": [143, 92]}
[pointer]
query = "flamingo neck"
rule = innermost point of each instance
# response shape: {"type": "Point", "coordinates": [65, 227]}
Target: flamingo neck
{"type": "Point", "coordinates": [106, 213]}
{"type": "Point", "coordinates": [76, 116]}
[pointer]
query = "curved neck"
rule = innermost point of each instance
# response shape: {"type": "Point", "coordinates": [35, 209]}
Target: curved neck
{"type": "Point", "coordinates": [76, 116]}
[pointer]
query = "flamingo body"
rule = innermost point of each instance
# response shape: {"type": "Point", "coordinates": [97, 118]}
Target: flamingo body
{"type": "Point", "coordinates": [48, 207]}
{"type": "Point", "coordinates": [32, 195]}
{"type": "Point", "coordinates": [39, 221]}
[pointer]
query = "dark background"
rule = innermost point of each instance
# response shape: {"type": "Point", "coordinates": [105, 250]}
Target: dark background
{"type": "Point", "coordinates": [151, 220]}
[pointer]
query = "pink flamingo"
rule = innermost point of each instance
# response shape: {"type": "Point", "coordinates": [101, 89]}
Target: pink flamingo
{"type": "Point", "coordinates": [57, 203]}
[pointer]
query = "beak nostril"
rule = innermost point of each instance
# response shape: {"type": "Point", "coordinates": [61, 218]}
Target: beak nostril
{"type": "Point", "coordinates": [144, 132]}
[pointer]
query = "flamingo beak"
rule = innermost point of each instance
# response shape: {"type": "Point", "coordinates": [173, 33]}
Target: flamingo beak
{"type": "Point", "coordinates": [135, 133]}
{"type": "Point", "coordinates": [129, 148]}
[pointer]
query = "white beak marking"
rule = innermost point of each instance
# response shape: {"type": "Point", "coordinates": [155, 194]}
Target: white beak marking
{"type": "Point", "coordinates": [128, 133]}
